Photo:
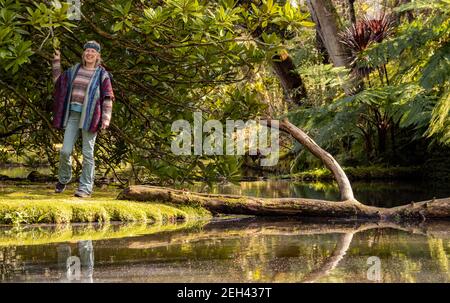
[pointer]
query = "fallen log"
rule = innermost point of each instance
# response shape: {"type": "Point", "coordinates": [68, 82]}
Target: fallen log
{"type": "Point", "coordinates": [299, 207]}
{"type": "Point", "coordinates": [348, 208]}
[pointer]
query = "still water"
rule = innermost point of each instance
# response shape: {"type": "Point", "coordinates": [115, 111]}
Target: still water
{"type": "Point", "coordinates": [229, 250]}
{"type": "Point", "coordinates": [240, 249]}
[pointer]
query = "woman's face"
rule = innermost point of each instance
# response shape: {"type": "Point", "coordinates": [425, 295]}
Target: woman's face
{"type": "Point", "coordinates": [90, 56]}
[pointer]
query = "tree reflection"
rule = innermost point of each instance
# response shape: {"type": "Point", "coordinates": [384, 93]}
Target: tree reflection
{"type": "Point", "coordinates": [246, 250]}
{"type": "Point", "coordinates": [10, 262]}
{"type": "Point", "coordinates": [341, 249]}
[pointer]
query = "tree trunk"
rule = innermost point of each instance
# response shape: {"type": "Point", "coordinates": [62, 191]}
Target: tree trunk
{"type": "Point", "coordinates": [283, 65]}
{"type": "Point", "coordinates": [324, 15]}
{"type": "Point", "coordinates": [322, 49]}
{"type": "Point", "coordinates": [290, 79]}
{"type": "Point", "coordinates": [351, 11]}
{"type": "Point", "coordinates": [339, 252]}
{"type": "Point", "coordinates": [298, 207]}
{"type": "Point", "coordinates": [341, 178]}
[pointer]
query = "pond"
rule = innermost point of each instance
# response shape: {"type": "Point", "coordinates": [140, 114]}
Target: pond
{"type": "Point", "coordinates": [240, 249]}
{"type": "Point", "coordinates": [230, 250]}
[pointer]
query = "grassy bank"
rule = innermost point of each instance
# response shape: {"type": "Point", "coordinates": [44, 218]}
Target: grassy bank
{"type": "Point", "coordinates": [39, 204]}
{"type": "Point", "coordinates": [362, 173]}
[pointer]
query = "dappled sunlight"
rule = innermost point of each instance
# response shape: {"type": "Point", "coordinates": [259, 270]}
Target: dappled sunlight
{"type": "Point", "coordinates": [47, 192]}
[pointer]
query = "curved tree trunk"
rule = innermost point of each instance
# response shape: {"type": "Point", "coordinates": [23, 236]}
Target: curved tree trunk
{"type": "Point", "coordinates": [349, 208]}
{"type": "Point", "coordinates": [341, 178]}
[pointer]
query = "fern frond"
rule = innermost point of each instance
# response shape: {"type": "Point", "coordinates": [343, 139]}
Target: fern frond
{"type": "Point", "coordinates": [440, 121]}
{"type": "Point", "coordinates": [437, 70]}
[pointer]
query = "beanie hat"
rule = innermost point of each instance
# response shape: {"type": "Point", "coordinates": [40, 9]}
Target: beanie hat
{"type": "Point", "coordinates": [92, 44]}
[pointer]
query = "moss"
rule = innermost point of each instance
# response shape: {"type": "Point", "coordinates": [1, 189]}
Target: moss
{"type": "Point", "coordinates": [363, 173]}
{"type": "Point", "coordinates": [39, 204]}
{"type": "Point", "coordinates": [90, 212]}
{"type": "Point", "coordinates": [235, 202]}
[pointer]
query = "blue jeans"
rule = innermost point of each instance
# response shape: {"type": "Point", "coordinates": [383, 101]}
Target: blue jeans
{"type": "Point", "coordinates": [65, 164]}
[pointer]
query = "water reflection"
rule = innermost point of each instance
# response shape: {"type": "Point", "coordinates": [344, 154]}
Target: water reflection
{"type": "Point", "coordinates": [77, 268]}
{"type": "Point", "coordinates": [67, 246]}
{"type": "Point", "coordinates": [246, 250]}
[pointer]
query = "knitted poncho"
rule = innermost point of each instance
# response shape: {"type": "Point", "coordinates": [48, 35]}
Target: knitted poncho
{"type": "Point", "coordinates": [97, 91]}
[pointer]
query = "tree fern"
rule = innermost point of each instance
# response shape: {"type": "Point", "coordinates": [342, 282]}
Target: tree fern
{"type": "Point", "coordinates": [421, 52]}
{"type": "Point", "coordinates": [436, 72]}
{"type": "Point", "coordinates": [440, 121]}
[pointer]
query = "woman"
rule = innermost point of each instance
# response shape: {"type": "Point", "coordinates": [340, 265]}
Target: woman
{"type": "Point", "coordinates": [83, 99]}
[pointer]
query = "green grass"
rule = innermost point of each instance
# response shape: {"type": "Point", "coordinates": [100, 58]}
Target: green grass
{"type": "Point", "coordinates": [39, 204]}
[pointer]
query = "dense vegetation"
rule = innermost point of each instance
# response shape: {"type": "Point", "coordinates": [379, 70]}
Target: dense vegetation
{"type": "Point", "coordinates": [387, 101]}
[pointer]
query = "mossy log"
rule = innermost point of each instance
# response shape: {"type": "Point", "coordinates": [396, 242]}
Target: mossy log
{"type": "Point", "coordinates": [299, 207]}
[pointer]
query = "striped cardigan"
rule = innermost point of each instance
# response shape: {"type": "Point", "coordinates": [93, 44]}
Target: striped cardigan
{"type": "Point", "coordinates": [97, 91]}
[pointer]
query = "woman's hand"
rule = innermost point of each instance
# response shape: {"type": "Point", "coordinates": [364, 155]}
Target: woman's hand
{"type": "Point", "coordinates": [104, 125]}
{"type": "Point", "coordinates": [57, 55]}
{"type": "Point", "coordinates": [56, 65]}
